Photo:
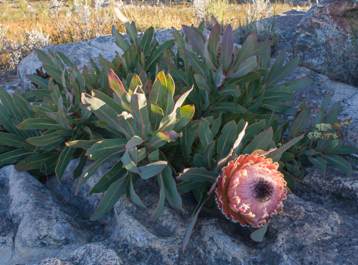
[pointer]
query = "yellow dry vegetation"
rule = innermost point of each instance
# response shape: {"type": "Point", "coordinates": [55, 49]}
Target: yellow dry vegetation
{"type": "Point", "coordinates": [79, 20]}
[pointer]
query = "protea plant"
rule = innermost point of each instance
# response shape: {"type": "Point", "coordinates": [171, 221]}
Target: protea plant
{"type": "Point", "coordinates": [235, 104]}
{"type": "Point", "coordinates": [250, 189]}
{"type": "Point", "coordinates": [141, 123]}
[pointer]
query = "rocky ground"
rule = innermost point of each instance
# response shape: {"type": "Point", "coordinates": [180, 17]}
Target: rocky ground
{"type": "Point", "coordinates": [48, 224]}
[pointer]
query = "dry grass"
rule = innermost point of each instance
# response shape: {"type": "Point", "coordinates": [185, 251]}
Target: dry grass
{"type": "Point", "coordinates": [70, 23]}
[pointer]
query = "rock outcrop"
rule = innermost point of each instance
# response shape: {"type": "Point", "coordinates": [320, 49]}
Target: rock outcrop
{"type": "Point", "coordinates": [80, 53]}
{"type": "Point", "coordinates": [327, 40]}
{"type": "Point", "coordinates": [39, 227]}
{"type": "Point", "coordinates": [49, 224]}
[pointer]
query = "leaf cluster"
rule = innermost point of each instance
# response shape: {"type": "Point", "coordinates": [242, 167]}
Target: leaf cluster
{"type": "Point", "coordinates": [220, 99]}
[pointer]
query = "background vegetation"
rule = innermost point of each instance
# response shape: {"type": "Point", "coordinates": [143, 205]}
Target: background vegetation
{"type": "Point", "coordinates": [25, 25]}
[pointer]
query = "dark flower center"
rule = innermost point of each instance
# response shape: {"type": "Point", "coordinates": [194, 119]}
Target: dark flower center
{"type": "Point", "coordinates": [263, 190]}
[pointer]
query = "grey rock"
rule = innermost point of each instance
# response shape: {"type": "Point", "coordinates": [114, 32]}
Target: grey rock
{"type": "Point", "coordinates": [48, 224]}
{"type": "Point", "coordinates": [302, 2]}
{"type": "Point", "coordinates": [334, 183]}
{"type": "Point", "coordinates": [89, 254]}
{"type": "Point", "coordinates": [7, 230]}
{"type": "Point", "coordinates": [94, 254]}
{"type": "Point", "coordinates": [75, 193]}
{"type": "Point", "coordinates": [311, 233]}
{"type": "Point", "coordinates": [324, 229]}
{"type": "Point", "coordinates": [40, 225]}
{"type": "Point", "coordinates": [283, 29]}
{"type": "Point", "coordinates": [54, 261]}
{"type": "Point", "coordinates": [279, 28]}
{"type": "Point", "coordinates": [224, 248]}
{"type": "Point", "coordinates": [326, 40]}
{"type": "Point", "coordinates": [141, 240]}
{"type": "Point", "coordinates": [36, 223]}
{"type": "Point", "coordinates": [344, 94]}
{"type": "Point", "coordinates": [347, 96]}
{"type": "Point", "coordinates": [304, 227]}
{"type": "Point", "coordinates": [9, 81]}
{"type": "Point", "coordinates": [81, 53]}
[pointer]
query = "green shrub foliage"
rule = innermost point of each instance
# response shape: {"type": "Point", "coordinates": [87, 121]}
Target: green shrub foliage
{"type": "Point", "coordinates": [175, 114]}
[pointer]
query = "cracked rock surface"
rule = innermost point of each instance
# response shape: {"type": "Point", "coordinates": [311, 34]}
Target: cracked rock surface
{"type": "Point", "coordinates": [39, 227]}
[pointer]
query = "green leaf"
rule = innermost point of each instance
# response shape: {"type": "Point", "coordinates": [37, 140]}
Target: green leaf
{"type": "Point", "coordinates": [194, 178]}
{"type": "Point", "coordinates": [111, 196]}
{"type": "Point", "coordinates": [118, 88]}
{"type": "Point", "coordinates": [106, 147]}
{"type": "Point", "coordinates": [39, 123]}
{"type": "Point", "coordinates": [340, 163]}
{"type": "Point", "coordinates": [227, 46]}
{"type": "Point", "coordinates": [185, 115]}
{"type": "Point", "coordinates": [64, 159]}
{"type": "Point", "coordinates": [226, 139]}
{"type": "Point", "coordinates": [169, 121]}
{"type": "Point", "coordinates": [319, 162]}
{"type": "Point", "coordinates": [280, 71]}
{"type": "Point", "coordinates": [228, 107]}
{"type": "Point", "coordinates": [119, 39]}
{"type": "Point", "coordinates": [135, 83]}
{"type": "Point", "coordinates": [259, 234]}
{"type": "Point", "coordinates": [134, 142]}
{"type": "Point", "coordinates": [212, 43]}
{"type": "Point", "coordinates": [300, 123]}
{"type": "Point", "coordinates": [80, 165]}
{"type": "Point", "coordinates": [345, 150]}
{"type": "Point", "coordinates": [171, 192]}
{"type": "Point", "coordinates": [246, 67]}
{"type": "Point", "coordinates": [38, 161]}
{"type": "Point", "coordinates": [118, 123]}
{"type": "Point", "coordinates": [153, 156]}
{"type": "Point", "coordinates": [116, 172]}
{"type": "Point", "coordinates": [195, 38]}
{"type": "Point", "coordinates": [205, 135]}
{"type": "Point", "coordinates": [12, 140]}
{"type": "Point", "coordinates": [152, 169]}
{"type": "Point", "coordinates": [263, 141]}
{"type": "Point", "coordinates": [40, 82]}
{"type": "Point", "coordinates": [133, 195]}
{"type": "Point", "coordinates": [128, 162]}
{"type": "Point", "coordinates": [147, 39]}
{"type": "Point", "coordinates": [276, 154]}
{"type": "Point", "coordinates": [234, 147]}
{"type": "Point", "coordinates": [194, 219]}
{"type": "Point", "coordinates": [92, 168]}
{"type": "Point", "coordinates": [132, 32]}
{"type": "Point", "coordinates": [162, 93]}
{"type": "Point", "coordinates": [159, 52]}
{"type": "Point", "coordinates": [13, 156]}
{"type": "Point", "coordinates": [160, 206]}
{"type": "Point", "coordinates": [48, 139]}
{"type": "Point", "coordinates": [140, 114]}
{"type": "Point", "coordinates": [187, 141]}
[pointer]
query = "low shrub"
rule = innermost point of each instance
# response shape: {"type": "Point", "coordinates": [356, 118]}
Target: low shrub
{"type": "Point", "coordinates": [219, 100]}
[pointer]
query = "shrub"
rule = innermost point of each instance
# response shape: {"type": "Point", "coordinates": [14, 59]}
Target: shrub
{"type": "Point", "coordinates": [131, 112]}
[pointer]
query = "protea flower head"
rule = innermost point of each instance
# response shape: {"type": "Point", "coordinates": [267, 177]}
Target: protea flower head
{"type": "Point", "coordinates": [250, 189]}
